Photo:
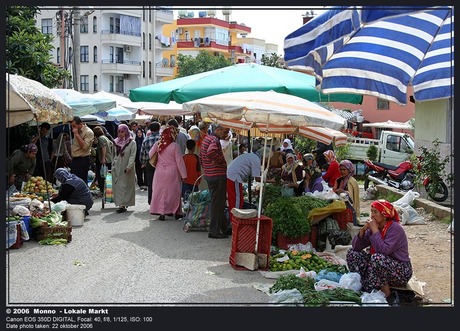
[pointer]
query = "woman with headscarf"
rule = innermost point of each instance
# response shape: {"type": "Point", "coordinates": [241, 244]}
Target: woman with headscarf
{"type": "Point", "coordinates": [333, 171]}
{"type": "Point", "coordinates": [313, 180]}
{"type": "Point", "coordinates": [291, 173]}
{"type": "Point", "coordinates": [348, 185]}
{"type": "Point", "coordinates": [170, 170]}
{"type": "Point", "coordinates": [123, 170]}
{"type": "Point", "coordinates": [141, 175]}
{"type": "Point", "coordinates": [73, 189]}
{"type": "Point", "coordinates": [21, 165]}
{"type": "Point", "coordinates": [286, 148]}
{"type": "Point", "coordinates": [387, 263]}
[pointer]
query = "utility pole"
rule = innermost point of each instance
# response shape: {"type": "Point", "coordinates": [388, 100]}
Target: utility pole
{"type": "Point", "coordinates": [76, 48]}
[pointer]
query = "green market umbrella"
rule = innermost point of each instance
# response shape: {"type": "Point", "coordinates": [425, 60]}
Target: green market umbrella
{"type": "Point", "coordinates": [241, 77]}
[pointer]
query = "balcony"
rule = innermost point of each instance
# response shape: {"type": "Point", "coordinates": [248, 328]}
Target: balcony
{"type": "Point", "coordinates": [124, 38]}
{"type": "Point", "coordinates": [126, 67]}
{"type": "Point", "coordinates": [159, 45]}
{"type": "Point", "coordinates": [164, 15]}
{"type": "Point", "coordinates": [163, 71]}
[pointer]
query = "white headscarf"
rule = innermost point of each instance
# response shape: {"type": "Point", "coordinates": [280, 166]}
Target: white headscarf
{"type": "Point", "coordinates": [289, 146]}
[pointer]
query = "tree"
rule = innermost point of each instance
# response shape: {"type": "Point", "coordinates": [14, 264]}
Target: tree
{"type": "Point", "coordinates": [203, 62]}
{"type": "Point", "coordinates": [273, 60]}
{"type": "Point", "coordinates": [28, 50]}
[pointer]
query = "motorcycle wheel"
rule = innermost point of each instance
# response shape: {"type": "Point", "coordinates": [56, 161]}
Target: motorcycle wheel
{"type": "Point", "coordinates": [441, 193]}
{"type": "Point", "coordinates": [368, 182]}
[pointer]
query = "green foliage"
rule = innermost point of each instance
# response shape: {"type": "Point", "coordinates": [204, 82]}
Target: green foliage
{"type": "Point", "coordinates": [203, 62]}
{"type": "Point", "coordinates": [389, 196]}
{"type": "Point", "coordinates": [430, 164]}
{"type": "Point", "coordinates": [273, 60]}
{"type": "Point", "coordinates": [342, 152]}
{"type": "Point", "coordinates": [28, 51]}
{"type": "Point", "coordinates": [372, 152]}
{"type": "Point", "coordinates": [270, 194]}
{"type": "Point", "coordinates": [304, 145]}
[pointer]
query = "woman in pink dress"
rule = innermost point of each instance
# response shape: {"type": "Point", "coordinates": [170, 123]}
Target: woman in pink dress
{"type": "Point", "coordinates": [169, 173]}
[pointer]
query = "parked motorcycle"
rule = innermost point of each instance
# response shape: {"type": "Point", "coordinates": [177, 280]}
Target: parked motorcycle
{"type": "Point", "coordinates": [401, 177]}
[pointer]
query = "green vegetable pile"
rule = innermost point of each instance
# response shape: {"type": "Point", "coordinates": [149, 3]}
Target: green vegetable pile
{"type": "Point", "coordinates": [311, 297]}
{"type": "Point", "coordinates": [53, 241]}
{"type": "Point", "coordinates": [52, 219]}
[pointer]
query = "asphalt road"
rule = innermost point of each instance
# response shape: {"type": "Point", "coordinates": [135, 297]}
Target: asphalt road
{"type": "Point", "coordinates": [130, 258]}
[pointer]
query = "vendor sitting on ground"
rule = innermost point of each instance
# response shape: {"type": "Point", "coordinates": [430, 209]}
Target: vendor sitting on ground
{"type": "Point", "coordinates": [387, 263]}
{"type": "Point", "coordinates": [73, 190]}
{"type": "Point", "coordinates": [291, 174]}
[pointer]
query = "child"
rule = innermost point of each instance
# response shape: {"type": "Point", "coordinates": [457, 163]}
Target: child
{"type": "Point", "coordinates": [192, 164]}
{"type": "Point", "coordinates": [324, 168]}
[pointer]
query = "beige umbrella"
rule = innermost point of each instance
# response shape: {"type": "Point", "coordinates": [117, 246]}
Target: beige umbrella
{"type": "Point", "coordinates": [27, 99]}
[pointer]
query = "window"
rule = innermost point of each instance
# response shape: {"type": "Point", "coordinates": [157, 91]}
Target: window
{"type": "Point", "coordinates": [111, 54]}
{"type": "Point", "coordinates": [383, 104]}
{"type": "Point", "coordinates": [150, 15]}
{"type": "Point", "coordinates": [119, 87]}
{"type": "Point", "coordinates": [95, 54]}
{"type": "Point", "coordinates": [119, 55]}
{"type": "Point", "coordinates": [94, 24]}
{"type": "Point", "coordinates": [84, 24]}
{"type": "Point", "coordinates": [150, 41]}
{"type": "Point", "coordinates": [70, 54]}
{"type": "Point", "coordinates": [96, 88]}
{"type": "Point", "coordinates": [393, 143]}
{"type": "Point", "coordinates": [143, 40]}
{"type": "Point", "coordinates": [84, 83]}
{"type": "Point", "coordinates": [58, 55]}
{"type": "Point", "coordinates": [143, 69]}
{"type": "Point", "coordinates": [47, 26]}
{"type": "Point", "coordinates": [111, 84]}
{"type": "Point", "coordinates": [150, 69]}
{"type": "Point", "coordinates": [143, 15]}
{"type": "Point", "coordinates": [84, 54]}
{"type": "Point", "coordinates": [114, 25]}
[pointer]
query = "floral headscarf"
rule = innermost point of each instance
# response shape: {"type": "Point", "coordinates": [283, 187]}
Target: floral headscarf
{"type": "Point", "coordinates": [330, 156]}
{"type": "Point", "coordinates": [351, 168]}
{"type": "Point", "coordinates": [386, 208]}
{"type": "Point", "coordinates": [29, 148]}
{"type": "Point", "coordinates": [168, 136]}
{"type": "Point", "coordinates": [120, 143]}
{"type": "Point", "coordinates": [63, 175]}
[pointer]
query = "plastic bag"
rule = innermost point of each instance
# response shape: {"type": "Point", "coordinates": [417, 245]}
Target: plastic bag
{"type": "Point", "coordinates": [103, 171]}
{"type": "Point", "coordinates": [351, 280]}
{"type": "Point", "coordinates": [328, 275]}
{"type": "Point", "coordinates": [287, 191]}
{"type": "Point", "coordinates": [21, 210]}
{"type": "Point", "coordinates": [304, 274]}
{"type": "Point", "coordinates": [407, 198]}
{"type": "Point", "coordinates": [60, 206]}
{"type": "Point", "coordinates": [376, 296]}
{"type": "Point", "coordinates": [286, 296]}
{"type": "Point", "coordinates": [413, 216]}
{"type": "Point", "coordinates": [325, 284]}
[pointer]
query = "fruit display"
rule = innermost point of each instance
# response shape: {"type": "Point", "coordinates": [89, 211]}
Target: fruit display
{"type": "Point", "coordinates": [38, 185]}
{"type": "Point", "coordinates": [294, 260]}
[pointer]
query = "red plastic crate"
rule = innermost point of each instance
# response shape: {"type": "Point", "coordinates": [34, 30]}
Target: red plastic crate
{"type": "Point", "coordinates": [283, 241]}
{"type": "Point", "coordinates": [343, 218]}
{"type": "Point", "coordinates": [244, 238]}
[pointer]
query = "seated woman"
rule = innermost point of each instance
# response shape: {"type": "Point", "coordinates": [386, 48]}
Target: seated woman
{"type": "Point", "coordinates": [347, 184]}
{"type": "Point", "coordinates": [291, 173]}
{"type": "Point", "coordinates": [73, 190]}
{"type": "Point", "coordinates": [313, 180]}
{"type": "Point", "coordinates": [333, 171]}
{"type": "Point", "coordinates": [387, 263]}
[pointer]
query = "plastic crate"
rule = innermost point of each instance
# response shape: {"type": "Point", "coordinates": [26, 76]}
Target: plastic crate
{"type": "Point", "coordinates": [64, 232]}
{"type": "Point", "coordinates": [343, 218]}
{"type": "Point", "coordinates": [244, 238]}
{"type": "Point", "coordinates": [283, 241]}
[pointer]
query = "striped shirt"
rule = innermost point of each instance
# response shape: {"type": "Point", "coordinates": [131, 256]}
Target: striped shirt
{"type": "Point", "coordinates": [147, 145]}
{"type": "Point", "coordinates": [212, 158]}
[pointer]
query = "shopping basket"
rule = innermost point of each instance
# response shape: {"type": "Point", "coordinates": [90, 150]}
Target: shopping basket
{"type": "Point", "coordinates": [197, 209]}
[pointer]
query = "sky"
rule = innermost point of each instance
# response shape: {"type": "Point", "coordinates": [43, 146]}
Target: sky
{"type": "Point", "coordinates": [271, 24]}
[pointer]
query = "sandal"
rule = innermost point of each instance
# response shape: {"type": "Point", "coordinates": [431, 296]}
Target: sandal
{"type": "Point", "coordinates": [121, 209]}
{"type": "Point", "coordinates": [161, 218]}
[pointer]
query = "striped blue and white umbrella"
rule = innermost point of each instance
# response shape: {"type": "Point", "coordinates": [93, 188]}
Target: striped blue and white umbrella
{"type": "Point", "coordinates": [378, 51]}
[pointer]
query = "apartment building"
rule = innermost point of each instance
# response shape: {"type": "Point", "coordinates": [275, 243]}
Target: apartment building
{"type": "Point", "coordinates": [114, 49]}
{"type": "Point", "coordinates": [119, 48]}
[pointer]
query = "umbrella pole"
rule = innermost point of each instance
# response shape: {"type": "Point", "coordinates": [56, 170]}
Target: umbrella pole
{"type": "Point", "coordinates": [250, 178]}
{"type": "Point", "coordinates": [43, 164]}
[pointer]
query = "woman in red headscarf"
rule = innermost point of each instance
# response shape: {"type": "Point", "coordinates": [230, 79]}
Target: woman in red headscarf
{"type": "Point", "coordinates": [169, 173]}
{"type": "Point", "coordinates": [333, 169]}
{"type": "Point", "coordinates": [387, 262]}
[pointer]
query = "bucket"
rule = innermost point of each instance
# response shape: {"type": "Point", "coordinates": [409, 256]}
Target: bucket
{"type": "Point", "coordinates": [75, 214]}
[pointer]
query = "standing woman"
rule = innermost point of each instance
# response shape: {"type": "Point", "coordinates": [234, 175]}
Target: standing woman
{"type": "Point", "coordinates": [141, 175]}
{"type": "Point", "coordinates": [347, 184]}
{"type": "Point", "coordinates": [169, 173]}
{"type": "Point", "coordinates": [123, 172]}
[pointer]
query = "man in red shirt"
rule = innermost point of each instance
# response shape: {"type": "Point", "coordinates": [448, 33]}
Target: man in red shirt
{"type": "Point", "coordinates": [214, 168]}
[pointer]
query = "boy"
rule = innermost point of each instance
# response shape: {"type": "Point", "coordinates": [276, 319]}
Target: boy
{"type": "Point", "coordinates": [192, 164]}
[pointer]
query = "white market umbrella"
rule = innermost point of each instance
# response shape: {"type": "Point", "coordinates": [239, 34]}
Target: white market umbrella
{"type": "Point", "coordinates": [390, 125]}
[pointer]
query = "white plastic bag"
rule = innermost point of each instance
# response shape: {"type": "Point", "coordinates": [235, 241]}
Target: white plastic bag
{"type": "Point", "coordinates": [286, 296]}
{"type": "Point", "coordinates": [407, 198]}
{"type": "Point", "coordinates": [326, 284]}
{"type": "Point", "coordinates": [376, 296]}
{"type": "Point", "coordinates": [351, 280]}
{"type": "Point", "coordinates": [413, 216]}
{"type": "Point", "coordinates": [21, 210]}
